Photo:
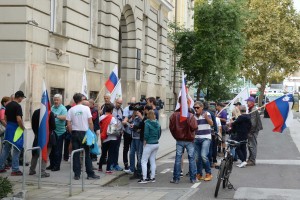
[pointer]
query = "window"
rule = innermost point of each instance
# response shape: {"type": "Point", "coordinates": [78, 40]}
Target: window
{"type": "Point", "coordinates": [93, 94]}
{"type": "Point", "coordinates": [54, 91]}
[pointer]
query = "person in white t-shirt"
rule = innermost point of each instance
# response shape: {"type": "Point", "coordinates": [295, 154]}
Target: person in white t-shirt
{"type": "Point", "coordinates": [79, 120]}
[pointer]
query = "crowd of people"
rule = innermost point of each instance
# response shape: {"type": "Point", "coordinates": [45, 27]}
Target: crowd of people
{"type": "Point", "coordinates": [202, 135]}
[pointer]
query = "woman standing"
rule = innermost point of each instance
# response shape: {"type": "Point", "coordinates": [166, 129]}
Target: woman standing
{"type": "Point", "coordinates": [241, 127]}
{"type": "Point", "coordinates": [109, 142]}
{"type": "Point", "coordinates": [152, 134]}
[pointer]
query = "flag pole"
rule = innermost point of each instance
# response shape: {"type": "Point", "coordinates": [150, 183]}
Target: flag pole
{"type": "Point", "coordinates": [99, 93]}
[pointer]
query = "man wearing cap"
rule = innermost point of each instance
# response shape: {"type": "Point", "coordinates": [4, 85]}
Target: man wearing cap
{"type": "Point", "coordinates": [256, 126]}
{"type": "Point", "coordinates": [14, 134]}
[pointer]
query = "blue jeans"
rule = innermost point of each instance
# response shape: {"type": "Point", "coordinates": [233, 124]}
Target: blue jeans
{"type": "Point", "coordinates": [180, 146]}
{"type": "Point", "coordinates": [136, 148]}
{"type": "Point", "coordinates": [202, 147]}
{"type": "Point", "coordinates": [15, 157]}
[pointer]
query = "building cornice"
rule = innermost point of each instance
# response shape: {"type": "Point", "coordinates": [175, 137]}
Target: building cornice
{"type": "Point", "coordinates": [166, 4]}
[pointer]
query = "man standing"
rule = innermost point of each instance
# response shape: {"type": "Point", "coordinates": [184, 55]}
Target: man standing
{"type": "Point", "coordinates": [79, 120]}
{"type": "Point", "coordinates": [127, 114]}
{"type": "Point", "coordinates": [118, 115]}
{"type": "Point", "coordinates": [184, 134]}
{"type": "Point", "coordinates": [13, 114]}
{"type": "Point", "coordinates": [222, 114]}
{"type": "Point", "coordinates": [95, 118]}
{"type": "Point", "coordinates": [102, 109]}
{"type": "Point", "coordinates": [202, 141]}
{"type": "Point", "coordinates": [60, 113]}
{"type": "Point", "coordinates": [35, 121]}
{"type": "Point", "coordinates": [151, 101]}
{"type": "Point", "coordinates": [256, 126]}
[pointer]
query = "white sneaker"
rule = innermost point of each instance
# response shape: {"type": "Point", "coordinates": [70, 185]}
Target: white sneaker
{"type": "Point", "coordinates": [128, 171]}
{"type": "Point", "coordinates": [243, 164]}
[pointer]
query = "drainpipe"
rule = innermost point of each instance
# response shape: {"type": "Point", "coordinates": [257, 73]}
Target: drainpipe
{"type": "Point", "coordinates": [174, 75]}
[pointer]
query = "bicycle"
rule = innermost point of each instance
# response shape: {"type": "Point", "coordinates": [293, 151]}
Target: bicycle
{"type": "Point", "coordinates": [226, 166]}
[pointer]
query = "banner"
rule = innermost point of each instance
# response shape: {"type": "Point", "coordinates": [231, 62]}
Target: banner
{"type": "Point", "coordinates": [84, 85]}
{"type": "Point", "coordinates": [117, 92]}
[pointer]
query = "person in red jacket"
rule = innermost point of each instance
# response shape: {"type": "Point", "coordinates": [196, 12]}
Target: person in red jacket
{"type": "Point", "coordinates": [184, 134]}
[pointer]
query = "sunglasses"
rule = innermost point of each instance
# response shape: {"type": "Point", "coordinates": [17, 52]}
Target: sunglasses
{"type": "Point", "coordinates": [196, 108]}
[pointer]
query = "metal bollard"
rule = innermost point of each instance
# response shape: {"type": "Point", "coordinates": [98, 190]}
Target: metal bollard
{"type": "Point", "coordinates": [71, 169]}
{"type": "Point", "coordinates": [40, 166]}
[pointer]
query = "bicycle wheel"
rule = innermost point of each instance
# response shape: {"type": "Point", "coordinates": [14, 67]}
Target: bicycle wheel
{"type": "Point", "coordinates": [220, 177]}
{"type": "Point", "coordinates": [227, 171]}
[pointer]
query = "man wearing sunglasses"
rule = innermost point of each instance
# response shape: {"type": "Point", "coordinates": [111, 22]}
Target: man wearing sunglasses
{"type": "Point", "coordinates": [202, 141]}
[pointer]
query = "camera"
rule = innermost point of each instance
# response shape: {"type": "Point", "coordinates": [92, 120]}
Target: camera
{"type": "Point", "coordinates": [159, 104]}
{"type": "Point", "coordinates": [139, 106]}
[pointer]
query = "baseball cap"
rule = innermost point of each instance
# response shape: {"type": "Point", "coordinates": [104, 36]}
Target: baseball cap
{"type": "Point", "coordinates": [250, 99]}
{"type": "Point", "coordinates": [19, 94]}
{"type": "Point", "coordinates": [237, 103]}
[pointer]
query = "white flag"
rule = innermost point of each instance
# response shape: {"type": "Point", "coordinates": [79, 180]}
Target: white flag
{"type": "Point", "coordinates": [84, 85]}
{"type": "Point", "coordinates": [190, 101]}
{"type": "Point", "coordinates": [117, 92]}
{"type": "Point", "coordinates": [241, 97]}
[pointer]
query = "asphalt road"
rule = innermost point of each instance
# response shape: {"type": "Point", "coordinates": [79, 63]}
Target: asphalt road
{"type": "Point", "coordinates": [277, 168]}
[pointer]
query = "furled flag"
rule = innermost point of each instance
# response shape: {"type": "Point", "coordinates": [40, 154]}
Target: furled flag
{"type": "Point", "coordinates": [112, 80]}
{"type": "Point", "coordinates": [280, 112]}
{"type": "Point", "coordinates": [189, 98]}
{"type": "Point", "coordinates": [241, 97]}
{"type": "Point", "coordinates": [184, 103]}
{"type": "Point", "coordinates": [43, 134]}
{"type": "Point", "coordinates": [117, 92]}
{"type": "Point", "coordinates": [84, 85]}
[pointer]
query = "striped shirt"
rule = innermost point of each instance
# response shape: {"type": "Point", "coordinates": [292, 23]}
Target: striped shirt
{"type": "Point", "coordinates": [204, 130]}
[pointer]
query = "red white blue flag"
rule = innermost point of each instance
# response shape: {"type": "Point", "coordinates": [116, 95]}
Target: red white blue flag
{"type": "Point", "coordinates": [184, 103]}
{"type": "Point", "coordinates": [280, 112]}
{"type": "Point", "coordinates": [112, 80]}
{"type": "Point", "coordinates": [43, 134]}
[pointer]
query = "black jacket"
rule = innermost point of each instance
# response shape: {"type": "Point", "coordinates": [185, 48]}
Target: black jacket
{"type": "Point", "coordinates": [35, 120]}
{"type": "Point", "coordinates": [241, 127]}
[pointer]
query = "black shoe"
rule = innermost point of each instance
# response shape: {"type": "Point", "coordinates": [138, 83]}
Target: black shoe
{"type": "Point", "coordinates": [134, 176]}
{"type": "Point", "coordinates": [49, 167]}
{"type": "Point", "coordinates": [94, 176]}
{"type": "Point", "coordinates": [76, 177]}
{"type": "Point", "coordinates": [54, 169]}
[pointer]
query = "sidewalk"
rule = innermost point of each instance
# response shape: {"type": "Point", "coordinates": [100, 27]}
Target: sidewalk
{"type": "Point", "coordinates": [57, 185]}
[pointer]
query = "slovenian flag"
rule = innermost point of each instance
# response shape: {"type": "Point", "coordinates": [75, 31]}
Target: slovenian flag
{"type": "Point", "coordinates": [184, 104]}
{"type": "Point", "coordinates": [112, 80]}
{"type": "Point", "coordinates": [280, 112]}
{"type": "Point", "coordinates": [43, 134]}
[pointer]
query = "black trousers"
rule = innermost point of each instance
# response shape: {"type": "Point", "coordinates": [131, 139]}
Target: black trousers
{"type": "Point", "coordinates": [241, 151]}
{"type": "Point", "coordinates": [127, 142]}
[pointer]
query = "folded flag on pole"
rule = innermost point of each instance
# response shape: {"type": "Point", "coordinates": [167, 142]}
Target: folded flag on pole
{"type": "Point", "coordinates": [43, 133]}
{"type": "Point", "coordinates": [280, 112]}
{"type": "Point", "coordinates": [112, 80]}
{"type": "Point", "coordinates": [184, 103]}
{"type": "Point", "coordinates": [189, 98]}
{"type": "Point", "coordinates": [84, 85]}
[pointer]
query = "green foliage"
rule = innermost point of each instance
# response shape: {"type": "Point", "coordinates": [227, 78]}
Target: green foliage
{"type": "Point", "coordinates": [210, 55]}
{"type": "Point", "coordinates": [273, 41]}
{"type": "Point", "coordinates": [6, 187]}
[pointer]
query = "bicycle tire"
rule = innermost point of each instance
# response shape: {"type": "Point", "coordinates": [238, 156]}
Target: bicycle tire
{"type": "Point", "coordinates": [227, 172]}
{"type": "Point", "coordinates": [220, 177]}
